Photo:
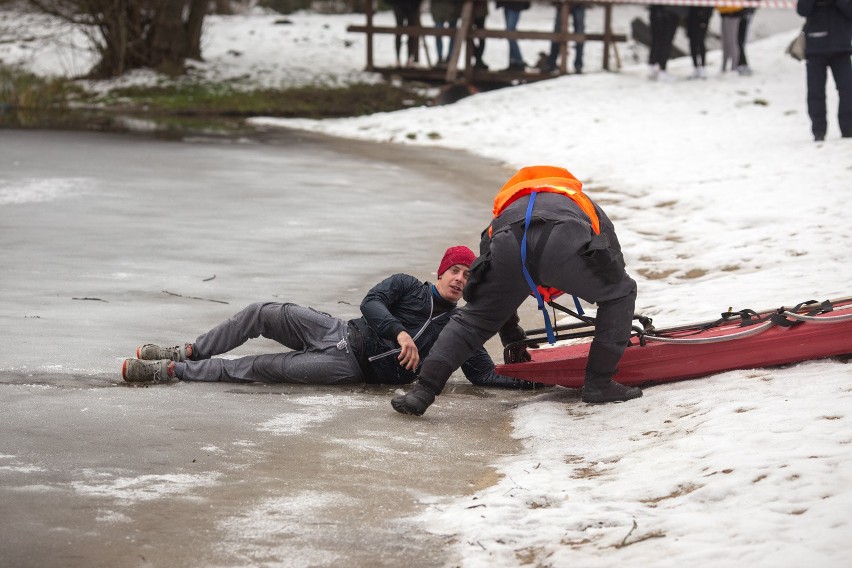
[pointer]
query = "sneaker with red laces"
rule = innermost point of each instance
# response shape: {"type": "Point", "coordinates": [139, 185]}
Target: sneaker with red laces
{"type": "Point", "coordinates": [139, 371]}
{"type": "Point", "coordinates": [151, 352]}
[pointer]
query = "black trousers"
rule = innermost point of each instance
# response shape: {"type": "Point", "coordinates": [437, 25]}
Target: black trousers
{"type": "Point", "coordinates": [408, 14]}
{"type": "Point", "coordinates": [663, 29]}
{"type": "Point", "coordinates": [697, 21]}
{"type": "Point", "coordinates": [817, 75]}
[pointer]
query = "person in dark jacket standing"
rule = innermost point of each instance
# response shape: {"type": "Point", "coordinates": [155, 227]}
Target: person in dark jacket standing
{"type": "Point", "coordinates": [512, 10]}
{"type": "Point", "coordinates": [402, 318]}
{"type": "Point", "coordinates": [445, 14]}
{"type": "Point", "coordinates": [577, 11]}
{"type": "Point", "coordinates": [828, 44]}
{"type": "Point", "coordinates": [665, 20]}
{"type": "Point", "coordinates": [407, 14]}
{"type": "Point", "coordinates": [546, 233]}
{"type": "Point", "coordinates": [697, 23]}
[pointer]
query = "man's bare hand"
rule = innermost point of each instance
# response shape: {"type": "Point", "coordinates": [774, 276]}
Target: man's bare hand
{"type": "Point", "coordinates": [409, 356]}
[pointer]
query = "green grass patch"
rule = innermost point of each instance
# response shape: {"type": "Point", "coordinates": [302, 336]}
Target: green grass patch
{"type": "Point", "coordinates": [223, 100]}
{"type": "Point", "coordinates": [22, 90]}
{"type": "Point", "coordinates": [27, 100]}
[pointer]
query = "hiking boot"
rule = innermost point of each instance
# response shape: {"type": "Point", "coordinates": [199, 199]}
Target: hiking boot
{"type": "Point", "coordinates": [151, 352]}
{"type": "Point", "coordinates": [138, 371]}
{"type": "Point", "coordinates": [414, 402]}
{"type": "Point", "coordinates": [611, 392]}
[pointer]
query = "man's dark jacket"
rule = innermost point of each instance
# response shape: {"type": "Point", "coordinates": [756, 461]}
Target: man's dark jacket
{"type": "Point", "coordinates": [403, 303]}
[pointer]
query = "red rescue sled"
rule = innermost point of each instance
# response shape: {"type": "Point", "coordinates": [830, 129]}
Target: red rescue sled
{"type": "Point", "coordinates": [738, 340]}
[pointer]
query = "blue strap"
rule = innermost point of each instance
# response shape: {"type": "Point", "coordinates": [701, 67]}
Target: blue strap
{"type": "Point", "coordinates": [551, 338]}
{"type": "Point", "coordinates": [577, 305]}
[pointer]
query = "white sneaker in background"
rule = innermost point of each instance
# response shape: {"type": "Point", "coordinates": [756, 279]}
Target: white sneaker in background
{"type": "Point", "coordinates": [653, 72]}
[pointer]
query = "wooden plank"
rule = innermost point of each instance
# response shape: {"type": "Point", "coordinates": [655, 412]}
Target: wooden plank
{"type": "Point", "coordinates": [563, 46]}
{"type": "Point", "coordinates": [402, 30]}
{"type": "Point", "coordinates": [460, 40]}
{"type": "Point", "coordinates": [478, 76]}
{"type": "Point", "coordinates": [488, 33]}
{"type": "Point", "coordinates": [608, 35]}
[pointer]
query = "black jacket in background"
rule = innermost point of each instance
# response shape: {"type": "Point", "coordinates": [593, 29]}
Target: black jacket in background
{"type": "Point", "coordinates": [828, 28]}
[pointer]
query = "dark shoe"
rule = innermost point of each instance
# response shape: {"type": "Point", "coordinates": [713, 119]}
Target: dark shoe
{"type": "Point", "coordinates": [612, 392]}
{"type": "Point", "coordinates": [138, 371]}
{"type": "Point", "coordinates": [415, 401]}
{"type": "Point", "coordinates": [819, 137]}
{"type": "Point", "coordinates": [480, 65]}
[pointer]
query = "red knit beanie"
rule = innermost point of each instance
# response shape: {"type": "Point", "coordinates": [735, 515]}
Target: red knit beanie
{"type": "Point", "coordinates": [456, 255]}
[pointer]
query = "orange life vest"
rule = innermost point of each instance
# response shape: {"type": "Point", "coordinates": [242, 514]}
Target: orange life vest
{"type": "Point", "coordinates": [545, 179]}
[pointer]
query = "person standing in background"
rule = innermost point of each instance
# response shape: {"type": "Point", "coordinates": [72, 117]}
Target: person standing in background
{"type": "Point", "coordinates": [697, 22]}
{"type": "Point", "coordinates": [665, 20]}
{"type": "Point", "coordinates": [480, 12]}
{"type": "Point", "coordinates": [446, 14]}
{"type": "Point", "coordinates": [512, 11]}
{"type": "Point", "coordinates": [407, 14]}
{"type": "Point", "coordinates": [730, 36]}
{"type": "Point", "coordinates": [828, 44]}
{"type": "Point", "coordinates": [577, 10]}
{"type": "Point", "coordinates": [742, 39]}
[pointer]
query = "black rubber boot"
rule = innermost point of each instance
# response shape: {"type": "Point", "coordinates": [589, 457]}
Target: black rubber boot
{"type": "Point", "coordinates": [415, 401]}
{"type": "Point", "coordinates": [599, 392]}
{"type": "Point", "coordinates": [598, 386]}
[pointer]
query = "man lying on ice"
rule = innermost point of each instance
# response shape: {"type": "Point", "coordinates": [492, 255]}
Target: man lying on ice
{"type": "Point", "coordinates": [402, 318]}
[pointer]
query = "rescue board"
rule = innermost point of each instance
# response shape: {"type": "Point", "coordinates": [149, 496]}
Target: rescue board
{"type": "Point", "coordinates": [738, 340]}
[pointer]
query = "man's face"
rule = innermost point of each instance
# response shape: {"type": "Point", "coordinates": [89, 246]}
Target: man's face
{"type": "Point", "coordinates": [451, 283]}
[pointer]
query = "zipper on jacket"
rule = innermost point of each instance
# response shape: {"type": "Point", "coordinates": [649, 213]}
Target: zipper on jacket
{"type": "Point", "coordinates": [429, 320]}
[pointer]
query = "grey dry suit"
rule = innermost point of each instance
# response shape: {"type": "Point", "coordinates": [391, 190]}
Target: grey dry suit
{"type": "Point", "coordinates": [564, 263]}
{"type": "Point", "coordinates": [328, 350]}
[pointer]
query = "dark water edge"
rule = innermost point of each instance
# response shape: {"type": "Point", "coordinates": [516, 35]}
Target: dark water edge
{"type": "Point", "coordinates": [88, 120]}
{"type": "Point", "coordinates": [455, 166]}
{"type": "Point", "coordinates": [474, 175]}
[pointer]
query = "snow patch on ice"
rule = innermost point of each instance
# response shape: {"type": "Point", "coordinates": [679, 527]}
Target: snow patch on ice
{"type": "Point", "coordinates": [319, 409]}
{"type": "Point", "coordinates": [17, 192]}
{"type": "Point", "coordinates": [275, 526]}
{"type": "Point", "coordinates": [146, 487]}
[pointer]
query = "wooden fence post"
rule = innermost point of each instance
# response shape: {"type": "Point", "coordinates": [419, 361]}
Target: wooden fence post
{"type": "Point", "coordinates": [607, 34]}
{"type": "Point", "coordinates": [461, 40]}
{"type": "Point", "coordinates": [369, 10]}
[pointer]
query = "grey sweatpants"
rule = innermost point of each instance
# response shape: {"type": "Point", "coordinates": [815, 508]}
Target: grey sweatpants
{"type": "Point", "coordinates": [320, 353]}
{"type": "Point", "coordinates": [730, 42]}
{"type": "Point", "coordinates": [504, 289]}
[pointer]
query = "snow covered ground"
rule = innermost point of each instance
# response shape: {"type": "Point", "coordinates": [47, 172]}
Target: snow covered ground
{"type": "Point", "coordinates": [720, 198]}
